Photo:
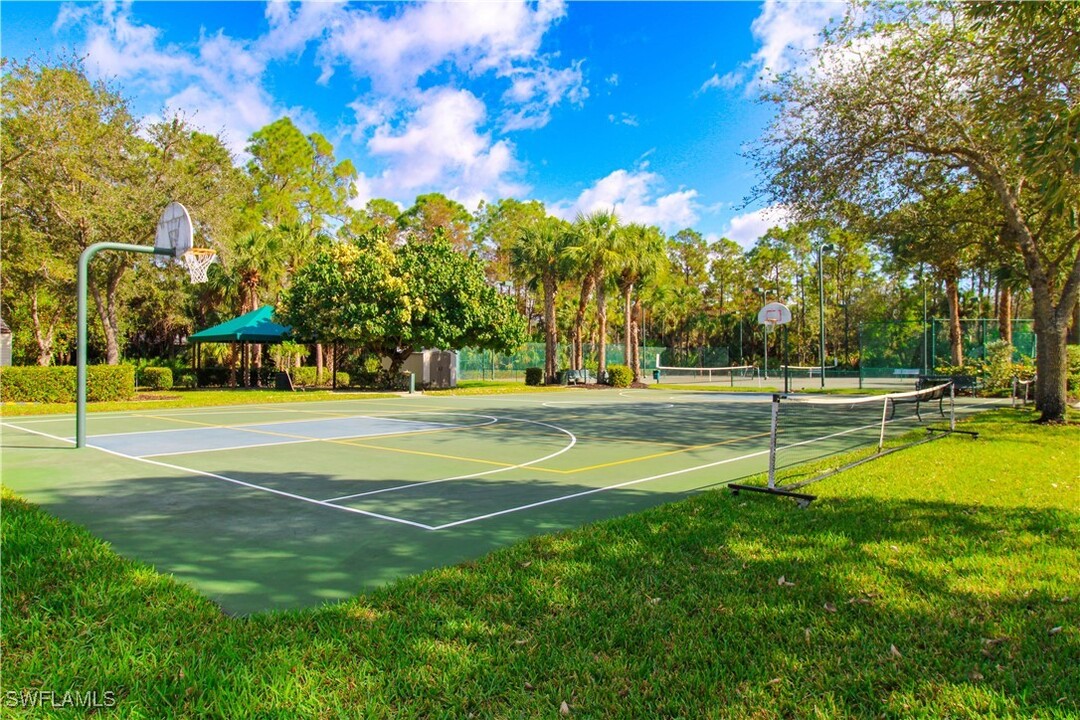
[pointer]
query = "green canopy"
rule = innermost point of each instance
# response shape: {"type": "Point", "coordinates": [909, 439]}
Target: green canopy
{"type": "Point", "coordinates": [256, 326]}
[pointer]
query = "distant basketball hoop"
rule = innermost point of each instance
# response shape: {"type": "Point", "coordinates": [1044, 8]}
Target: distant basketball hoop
{"type": "Point", "coordinates": [774, 314]}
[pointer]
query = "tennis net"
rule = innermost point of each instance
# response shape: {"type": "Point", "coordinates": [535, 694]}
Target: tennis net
{"type": "Point", "coordinates": [805, 427]}
{"type": "Point", "coordinates": [704, 376]}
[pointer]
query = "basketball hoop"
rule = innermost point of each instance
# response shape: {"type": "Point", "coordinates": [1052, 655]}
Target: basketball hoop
{"type": "Point", "coordinates": [197, 261]}
{"type": "Point", "coordinates": [174, 233]}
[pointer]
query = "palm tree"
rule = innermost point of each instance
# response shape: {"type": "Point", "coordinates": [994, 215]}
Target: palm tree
{"type": "Point", "coordinates": [641, 251]}
{"type": "Point", "coordinates": [255, 262]}
{"type": "Point", "coordinates": [595, 253]}
{"type": "Point", "coordinates": [536, 259]}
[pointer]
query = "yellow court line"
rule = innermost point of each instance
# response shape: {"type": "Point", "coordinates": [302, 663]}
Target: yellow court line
{"type": "Point", "coordinates": [363, 445]}
{"type": "Point", "coordinates": [353, 443]}
{"type": "Point", "coordinates": [636, 442]}
{"type": "Point", "coordinates": [653, 456]}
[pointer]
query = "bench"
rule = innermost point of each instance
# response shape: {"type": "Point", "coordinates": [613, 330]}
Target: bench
{"type": "Point", "coordinates": [961, 383]}
{"type": "Point", "coordinates": [574, 377]}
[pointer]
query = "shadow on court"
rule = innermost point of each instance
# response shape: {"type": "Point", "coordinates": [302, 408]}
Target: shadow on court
{"type": "Point", "coordinates": [249, 550]}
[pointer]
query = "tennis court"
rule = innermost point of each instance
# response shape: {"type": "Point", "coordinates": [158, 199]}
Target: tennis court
{"type": "Point", "coordinates": [284, 505]}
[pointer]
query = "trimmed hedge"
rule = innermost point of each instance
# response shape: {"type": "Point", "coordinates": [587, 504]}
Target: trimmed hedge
{"type": "Point", "coordinates": [619, 376]}
{"type": "Point", "coordinates": [157, 378]}
{"type": "Point", "coordinates": [57, 384]}
{"type": "Point", "coordinates": [188, 380]}
{"type": "Point", "coordinates": [534, 376]}
{"type": "Point", "coordinates": [307, 376]}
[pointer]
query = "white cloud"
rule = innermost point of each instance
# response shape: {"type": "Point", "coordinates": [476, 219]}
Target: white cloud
{"type": "Point", "coordinates": [612, 79]}
{"type": "Point", "coordinates": [745, 229]}
{"type": "Point", "coordinates": [726, 82]}
{"type": "Point", "coordinates": [632, 195]}
{"type": "Point", "coordinates": [402, 52]}
{"type": "Point", "coordinates": [440, 145]}
{"type": "Point", "coordinates": [786, 31]}
{"type": "Point", "coordinates": [624, 119]}
{"type": "Point", "coordinates": [216, 81]}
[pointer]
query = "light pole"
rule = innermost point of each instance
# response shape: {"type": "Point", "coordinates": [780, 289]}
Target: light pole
{"type": "Point", "coordinates": [822, 249]}
{"type": "Point", "coordinates": [765, 332]}
{"type": "Point", "coordinates": [922, 281]}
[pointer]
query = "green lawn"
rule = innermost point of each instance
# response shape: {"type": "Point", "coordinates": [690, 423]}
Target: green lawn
{"type": "Point", "coordinates": [940, 581]}
{"type": "Point", "coordinates": [161, 399]}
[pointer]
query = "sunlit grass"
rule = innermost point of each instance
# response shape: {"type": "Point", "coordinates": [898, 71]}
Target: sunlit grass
{"type": "Point", "coordinates": [939, 581]}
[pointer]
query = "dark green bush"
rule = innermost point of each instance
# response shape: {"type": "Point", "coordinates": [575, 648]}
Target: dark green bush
{"type": "Point", "coordinates": [308, 376]}
{"type": "Point", "coordinates": [109, 382]}
{"type": "Point", "coordinates": [188, 380]}
{"type": "Point", "coordinates": [534, 376]}
{"type": "Point", "coordinates": [619, 376]}
{"type": "Point", "coordinates": [37, 384]}
{"type": "Point", "coordinates": [157, 378]}
{"type": "Point", "coordinates": [57, 384]}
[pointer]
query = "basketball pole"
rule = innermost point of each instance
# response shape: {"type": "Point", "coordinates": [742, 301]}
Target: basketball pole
{"type": "Point", "coordinates": [80, 370]}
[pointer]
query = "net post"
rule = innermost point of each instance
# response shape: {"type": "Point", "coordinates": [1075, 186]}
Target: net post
{"type": "Point", "coordinates": [772, 440]}
{"type": "Point", "coordinates": [1015, 385]}
{"type": "Point", "coordinates": [884, 416]}
{"type": "Point", "coordinates": [952, 406]}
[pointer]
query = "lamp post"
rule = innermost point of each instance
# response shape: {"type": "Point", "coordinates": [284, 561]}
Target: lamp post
{"type": "Point", "coordinates": [765, 333]}
{"type": "Point", "coordinates": [922, 281]}
{"type": "Point", "coordinates": [822, 249]}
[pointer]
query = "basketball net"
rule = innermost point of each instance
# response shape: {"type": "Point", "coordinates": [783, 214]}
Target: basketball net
{"type": "Point", "coordinates": [197, 261]}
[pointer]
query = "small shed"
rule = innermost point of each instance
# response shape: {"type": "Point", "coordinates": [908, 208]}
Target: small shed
{"type": "Point", "coordinates": [434, 369]}
{"type": "Point", "coordinates": [5, 344]}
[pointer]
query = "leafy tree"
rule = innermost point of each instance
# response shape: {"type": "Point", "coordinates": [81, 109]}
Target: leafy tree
{"type": "Point", "coordinates": [433, 215]}
{"type": "Point", "coordinates": [986, 93]}
{"type": "Point", "coordinates": [394, 300]}
{"type": "Point", "coordinates": [296, 179]}
{"type": "Point", "coordinates": [77, 172]}
{"type": "Point", "coordinates": [453, 304]}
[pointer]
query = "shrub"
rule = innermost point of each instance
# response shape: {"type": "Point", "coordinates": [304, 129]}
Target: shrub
{"type": "Point", "coordinates": [157, 378]}
{"type": "Point", "coordinates": [109, 382]}
{"type": "Point", "coordinates": [534, 376]}
{"type": "Point", "coordinates": [188, 380]}
{"type": "Point", "coordinates": [619, 376]}
{"type": "Point", "coordinates": [57, 384]}
{"type": "Point", "coordinates": [308, 376]}
{"type": "Point", "coordinates": [37, 384]}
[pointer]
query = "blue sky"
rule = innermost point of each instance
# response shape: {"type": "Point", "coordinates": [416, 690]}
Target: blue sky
{"type": "Point", "coordinates": [640, 106]}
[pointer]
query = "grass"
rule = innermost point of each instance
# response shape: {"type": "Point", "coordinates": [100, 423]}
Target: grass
{"type": "Point", "coordinates": [159, 399]}
{"type": "Point", "coordinates": [939, 581]}
{"type": "Point", "coordinates": [494, 387]}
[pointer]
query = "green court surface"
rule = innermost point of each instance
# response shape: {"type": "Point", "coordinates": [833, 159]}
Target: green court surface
{"type": "Point", "coordinates": [276, 506]}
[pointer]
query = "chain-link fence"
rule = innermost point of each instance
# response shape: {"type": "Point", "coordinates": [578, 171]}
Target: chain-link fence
{"type": "Point", "coordinates": [487, 365]}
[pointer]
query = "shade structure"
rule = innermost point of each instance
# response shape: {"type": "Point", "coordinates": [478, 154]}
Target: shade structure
{"type": "Point", "coordinates": [256, 326]}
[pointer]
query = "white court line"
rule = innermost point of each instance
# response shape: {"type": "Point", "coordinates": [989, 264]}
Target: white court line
{"type": "Point", "coordinates": [242, 483]}
{"type": "Point", "coordinates": [573, 442]}
{"type": "Point", "coordinates": [209, 426]}
{"type": "Point", "coordinates": [661, 476]}
{"type": "Point", "coordinates": [298, 441]}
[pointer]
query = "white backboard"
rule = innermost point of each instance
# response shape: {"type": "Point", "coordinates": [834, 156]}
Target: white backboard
{"type": "Point", "coordinates": [774, 313]}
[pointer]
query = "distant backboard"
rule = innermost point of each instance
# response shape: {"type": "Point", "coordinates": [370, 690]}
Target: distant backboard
{"type": "Point", "coordinates": [774, 313]}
